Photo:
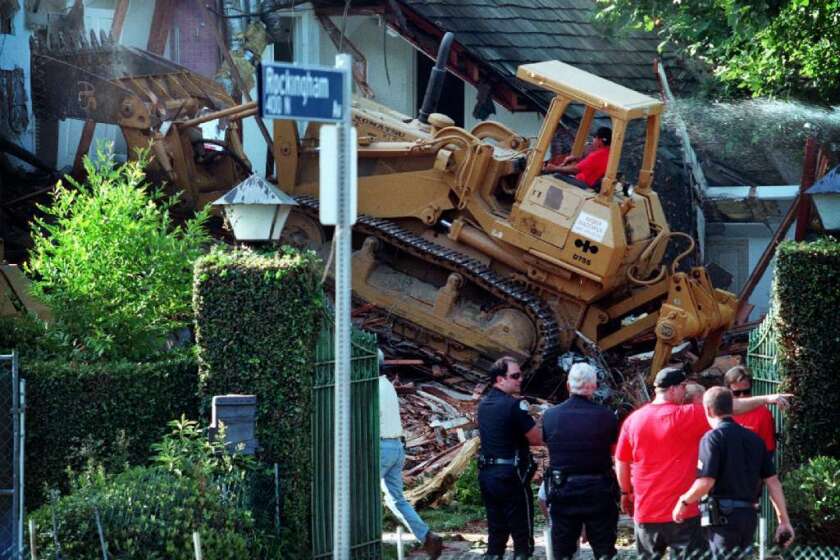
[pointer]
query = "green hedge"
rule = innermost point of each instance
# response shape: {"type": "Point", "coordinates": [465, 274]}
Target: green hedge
{"type": "Point", "coordinates": [807, 300]}
{"type": "Point", "coordinates": [109, 413]}
{"type": "Point", "coordinates": [256, 327]}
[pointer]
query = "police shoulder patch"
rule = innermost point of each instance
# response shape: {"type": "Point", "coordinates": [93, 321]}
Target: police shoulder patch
{"type": "Point", "coordinates": [523, 405]}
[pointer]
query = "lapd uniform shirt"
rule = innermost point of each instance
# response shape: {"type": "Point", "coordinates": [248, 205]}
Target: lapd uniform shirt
{"type": "Point", "coordinates": [503, 422]}
{"type": "Point", "coordinates": [737, 459]}
{"type": "Point", "coordinates": [579, 435]}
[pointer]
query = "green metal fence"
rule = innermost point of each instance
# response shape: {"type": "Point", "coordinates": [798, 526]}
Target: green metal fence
{"type": "Point", "coordinates": [365, 498]}
{"type": "Point", "coordinates": [763, 361]}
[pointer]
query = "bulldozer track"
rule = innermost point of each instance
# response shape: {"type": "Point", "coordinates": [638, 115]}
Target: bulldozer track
{"type": "Point", "coordinates": [546, 347]}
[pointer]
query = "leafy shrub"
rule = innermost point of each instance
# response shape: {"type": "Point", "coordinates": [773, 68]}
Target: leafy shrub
{"type": "Point", "coordinates": [151, 512]}
{"type": "Point", "coordinates": [28, 335]}
{"type": "Point", "coordinates": [256, 326]}
{"type": "Point", "coordinates": [813, 496]}
{"type": "Point", "coordinates": [806, 298]}
{"type": "Point", "coordinates": [467, 491]}
{"type": "Point", "coordinates": [108, 412]}
{"type": "Point", "coordinates": [108, 260]}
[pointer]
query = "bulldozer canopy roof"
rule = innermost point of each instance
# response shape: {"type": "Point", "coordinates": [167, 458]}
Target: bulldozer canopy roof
{"type": "Point", "coordinates": [582, 87]}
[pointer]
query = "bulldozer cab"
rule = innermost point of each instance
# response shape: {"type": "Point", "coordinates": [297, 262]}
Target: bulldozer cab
{"type": "Point", "coordinates": [598, 96]}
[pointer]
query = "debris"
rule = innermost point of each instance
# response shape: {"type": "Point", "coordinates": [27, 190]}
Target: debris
{"type": "Point", "coordinates": [432, 492]}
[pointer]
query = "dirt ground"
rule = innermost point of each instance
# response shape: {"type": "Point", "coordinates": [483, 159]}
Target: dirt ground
{"type": "Point", "coordinates": [470, 543]}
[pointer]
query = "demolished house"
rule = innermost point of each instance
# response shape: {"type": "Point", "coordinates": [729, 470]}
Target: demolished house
{"type": "Point", "coordinates": [165, 52]}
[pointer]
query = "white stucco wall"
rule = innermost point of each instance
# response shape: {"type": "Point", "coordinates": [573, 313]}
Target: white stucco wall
{"type": "Point", "coordinates": [527, 123]}
{"type": "Point", "coordinates": [14, 53]}
{"type": "Point", "coordinates": [757, 236]}
{"type": "Point", "coordinates": [366, 33]}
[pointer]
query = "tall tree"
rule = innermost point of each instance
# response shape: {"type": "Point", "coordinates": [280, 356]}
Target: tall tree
{"type": "Point", "coordinates": [784, 48]}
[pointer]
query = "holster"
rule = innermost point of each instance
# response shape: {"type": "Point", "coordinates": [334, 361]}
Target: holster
{"type": "Point", "coordinates": [711, 514]}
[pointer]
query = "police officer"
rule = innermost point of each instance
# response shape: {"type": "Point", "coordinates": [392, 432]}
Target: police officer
{"type": "Point", "coordinates": [733, 461]}
{"type": "Point", "coordinates": [505, 465]}
{"type": "Point", "coordinates": [582, 491]}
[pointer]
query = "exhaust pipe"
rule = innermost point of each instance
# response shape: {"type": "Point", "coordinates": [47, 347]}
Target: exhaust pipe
{"type": "Point", "coordinates": [435, 86]}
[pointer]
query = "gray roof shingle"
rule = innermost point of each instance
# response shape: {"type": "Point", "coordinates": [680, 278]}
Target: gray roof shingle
{"type": "Point", "coordinates": [507, 33]}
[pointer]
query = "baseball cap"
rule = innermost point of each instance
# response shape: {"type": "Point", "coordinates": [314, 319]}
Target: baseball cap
{"type": "Point", "coordinates": [668, 377]}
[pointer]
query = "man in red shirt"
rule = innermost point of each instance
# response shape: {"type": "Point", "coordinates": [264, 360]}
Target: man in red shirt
{"type": "Point", "coordinates": [760, 420]}
{"type": "Point", "coordinates": [592, 168]}
{"type": "Point", "coordinates": [656, 460]}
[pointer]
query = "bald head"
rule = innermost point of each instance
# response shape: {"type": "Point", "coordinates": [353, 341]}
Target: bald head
{"type": "Point", "coordinates": [718, 402]}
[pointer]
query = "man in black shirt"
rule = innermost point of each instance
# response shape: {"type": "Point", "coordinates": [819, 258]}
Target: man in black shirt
{"type": "Point", "coordinates": [582, 488]}
{"type": "Point", "coordinates": [505, 466]}
{"type": "Point", "coordinates": [732, 464]}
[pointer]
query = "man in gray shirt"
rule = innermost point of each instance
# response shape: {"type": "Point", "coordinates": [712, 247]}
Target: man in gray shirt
{"type": "Point", "coordinates": [391, 461]}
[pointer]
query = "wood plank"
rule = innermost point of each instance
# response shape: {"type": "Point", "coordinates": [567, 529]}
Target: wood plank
{"type": "Point", "coordinates": [160, 27]}
{"type": "Point", "coordinates": [118, 22]}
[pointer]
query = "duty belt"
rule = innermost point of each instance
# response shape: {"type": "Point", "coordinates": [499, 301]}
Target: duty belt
{"type": "Point", "coordinates": [487, 461]}
{"type": "Point", "coordinates": [736, 504]}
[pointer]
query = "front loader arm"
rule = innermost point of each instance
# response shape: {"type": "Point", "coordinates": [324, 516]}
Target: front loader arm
{"type": "Point", "coordinates": [693, 309]}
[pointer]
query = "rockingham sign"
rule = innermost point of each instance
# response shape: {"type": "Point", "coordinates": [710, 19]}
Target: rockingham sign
{"type": "Point", "coordinates": [288, 91]}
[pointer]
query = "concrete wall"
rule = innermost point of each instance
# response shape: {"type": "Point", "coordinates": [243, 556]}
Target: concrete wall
{"type": "Point", "coordinates": [14, 53]}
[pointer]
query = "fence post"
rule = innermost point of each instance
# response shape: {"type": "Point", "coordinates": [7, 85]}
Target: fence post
{"type": "Point", "coordinates": [197, 546]}
{"type": "Point", "coordinates": [549, 550]}
{"type": "Point", "coordinates": [33, 549]}
{"type": "Point", "coordinates": [102, 544]}
{"type": "Point", "coordinates": [762, 538]}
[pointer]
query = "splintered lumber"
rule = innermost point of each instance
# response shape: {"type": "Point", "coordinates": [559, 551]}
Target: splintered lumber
{"type": "Point", "coordinates": [427, 493]}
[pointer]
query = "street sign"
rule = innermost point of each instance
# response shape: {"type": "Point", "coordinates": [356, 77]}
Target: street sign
{"type": "Point", "coordinates": [310, 93]}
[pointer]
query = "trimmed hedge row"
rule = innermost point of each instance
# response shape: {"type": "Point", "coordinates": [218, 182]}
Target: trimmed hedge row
{"type": "Point", "coordinates": [257, 318]}
{"type": "Point", "coordinates": [807, 299]}
{"type": "Point", "coordinates": [109, 412]}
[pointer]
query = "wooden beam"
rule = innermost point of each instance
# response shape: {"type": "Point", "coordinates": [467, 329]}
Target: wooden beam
{"type": "Point", "coordinates": [160, 27]}
{"type": "Point", "coordinates": [118, 22]}
{"type": "Point", "coordinates": [234, 70]}
{"type": "Point", "coordinates": [809, 176]}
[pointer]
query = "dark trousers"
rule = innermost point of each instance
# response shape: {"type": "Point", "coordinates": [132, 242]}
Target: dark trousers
{"type": "Point", "coordinates": [588, 501]}
{"type": "Point", "coordinates": [685, 539]}
{"type": "Point", "coordinates": [510, 509]}
{"type": "Point", "coordinates": [735, 539]}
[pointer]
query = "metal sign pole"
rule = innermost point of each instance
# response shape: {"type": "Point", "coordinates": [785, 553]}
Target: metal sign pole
{"type": "Point", "coordinates": [343, 232]}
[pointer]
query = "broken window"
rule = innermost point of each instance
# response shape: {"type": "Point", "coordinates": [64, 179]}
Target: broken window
{"type": "Point", "coordinates": [8, 9]}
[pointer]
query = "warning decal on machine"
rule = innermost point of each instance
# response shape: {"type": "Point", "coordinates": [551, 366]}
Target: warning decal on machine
{"type": "Point", "coordinates": [590, 226]}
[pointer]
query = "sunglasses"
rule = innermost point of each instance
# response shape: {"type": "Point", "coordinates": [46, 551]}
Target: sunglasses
{"type": "Point", "coordinates": [742, 392]}
{"type": "Point", "coordinates": [515, 376]}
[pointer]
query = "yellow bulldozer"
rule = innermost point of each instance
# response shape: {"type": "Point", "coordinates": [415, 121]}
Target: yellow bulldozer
{"type": "Point", "coordinates": [465, 250]}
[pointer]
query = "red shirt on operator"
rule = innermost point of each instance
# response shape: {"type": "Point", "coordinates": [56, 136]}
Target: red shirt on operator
{"type": "Point", "coordinates": [592, 168]}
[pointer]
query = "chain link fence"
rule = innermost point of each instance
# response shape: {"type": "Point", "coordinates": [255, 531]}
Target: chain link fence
{"type": "Point", "coordinates": [11, 458]}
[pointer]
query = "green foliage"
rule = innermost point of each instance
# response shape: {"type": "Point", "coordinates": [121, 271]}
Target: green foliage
{"type": "Point", "coordinates": [108, 260]}
{"type": "Point", "coordinates": [257, 319]}
{"type": "Point", "coordinates": [765, 47]}
{"type": "Point", "coordinates": [813, 497]}
{"type": "Point", "coordinates": [806, 299]}
{"type": "Point", "coordinates": [108, 413]}
{"type": "Point", "coordinates": [467, 491]}
{"type": "Point", "coordinates": [151, 512]}
{"type": "Point", "coordinates": [28, 335]}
